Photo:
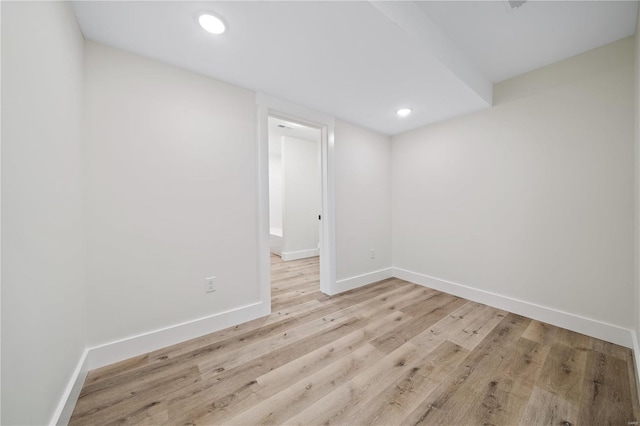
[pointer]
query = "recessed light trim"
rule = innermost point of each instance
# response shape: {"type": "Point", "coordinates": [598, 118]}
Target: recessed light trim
{"type": "Point", "coordinates": [212, 23]}
{"type": "Point", "coordinates": [403, 112]}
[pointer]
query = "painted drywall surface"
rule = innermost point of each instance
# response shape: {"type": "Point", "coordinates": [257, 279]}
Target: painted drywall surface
{"type": "Point", "coordinates": [636, 294]}
{"type": "Point", "coordinates": [275, 190]}
{"type": "Point", "coordinates": [301, 195]}
{"type": "Point", "coordinates": [171, 194]}
{"type": "Point", "coordinates": [275, 195]}
{"type": "Point", "coordinates": [532, 199]}
{"type": "Point", "coordinates": [43, 299]}
{"type": "Point", "coordinates": [363, 200]}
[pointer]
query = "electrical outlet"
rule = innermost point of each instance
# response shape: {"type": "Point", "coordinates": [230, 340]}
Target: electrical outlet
{"type": "Point", "coordinates": [210, 285]}
{"type": "Point", "coordinates": [373, 253]}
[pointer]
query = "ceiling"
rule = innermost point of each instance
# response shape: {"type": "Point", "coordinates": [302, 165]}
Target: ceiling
{"type": "Point", "coordinates": [505, 42]}
{"type": "Point", "coordinates": [360, 61]}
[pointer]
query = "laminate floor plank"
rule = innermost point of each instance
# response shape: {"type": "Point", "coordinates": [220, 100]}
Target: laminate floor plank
{"type": "Point", "coordinates": [546, 408]}
{"type": "Point", "coordinates": [123, 367]}
{"type": "Point", "coordinates": [212, 366]}
{"type": "Point", "coordinates": [563, 372]}
{"type": "Point", "coordinates": [281, 377]}
{"type": "Point", "coordinates": [297, 396]}
{"type": "Point", "coordinates": [391, 405]}
{"type": "Point", "coordinates": [434, 300]}
{"type": "Point", "coordinates": [451, 402]}
{"type": "Point", "coordinates": [383, 354]}
{"type": "Point", "coordinates": [633, 384]}
{"type": "Point", "coordinates": [218, 388]}
{"type": "Point", "coordinates": [126, 405]}
{"type": "Point", "coordinates": [338, 406]}
{"type": "Point", "coordinates": [506, 394]}
{"type": "Point", "coordinates": [281, 287]}
{"type": "Point", "coordinates": [541, 332]}
{"type": "Point", "coordinates": [364, 310]}
{"type": "Point", "coordinates": [435, 309]}
{"type": "Point", "coordinates": [456, 320]}
{"type": "Point", "coordinates": [606, 399]}
{"type": "Point", "coordinates": [476, 326]}
{"type": "Point", "coordinates": [254, 343]}
{"type": "Point", "coordinates": [293, 298]}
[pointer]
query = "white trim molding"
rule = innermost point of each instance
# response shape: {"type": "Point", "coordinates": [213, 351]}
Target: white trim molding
{"type": "Point", "coordinates": [362, 280]}
{"type": "Point", "coordinates": [300, 254]}
{"type": "Point", "coordinates": [112, 352]}
{"type": "Point", "coordinates": [591, 327]}
{"type": "Point", "coordinates": [71, 393]}
{"type": "Point", "coordinates": [269, 105]}
{"type": "Point", "coordinates": [636, 361]}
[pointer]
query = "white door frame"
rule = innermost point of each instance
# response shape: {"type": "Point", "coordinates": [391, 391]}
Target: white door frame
{"type": "Point", "coordinates": [268, 105]}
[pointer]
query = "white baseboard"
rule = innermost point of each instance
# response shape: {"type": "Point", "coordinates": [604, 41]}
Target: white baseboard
{"type": "Point", "coordinates": [364, 279]}
{"type": "Point", "coordinates": [112, 352]}
{"type": "Point", "coordinates": [109, 353]}
{"type": "Point", "coordinates": [71, 393]}
{"type": "Point", "coordinates": [300, 254]}
{"type": "Point", "coordinates": [275, 242]}
{"type": "Point", "coordinates": [590, 327]}
{"type": "Point", "coordinates": [636, 360]}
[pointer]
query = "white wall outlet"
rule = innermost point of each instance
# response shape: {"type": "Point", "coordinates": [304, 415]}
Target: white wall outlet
{"type": "Point", "coordinates": [373, 253]}
{"type": "Point", "coordinates": [210, 285]}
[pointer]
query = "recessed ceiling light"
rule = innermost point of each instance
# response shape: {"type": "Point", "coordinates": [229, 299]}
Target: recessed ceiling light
{"type": "Point", "coordinates": [403, 112]}
{"type": "Point", "coordinates": [212, 24]}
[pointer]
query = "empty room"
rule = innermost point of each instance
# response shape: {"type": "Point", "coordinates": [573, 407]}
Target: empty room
{"type": "Point", "coordinates": [317, 212]}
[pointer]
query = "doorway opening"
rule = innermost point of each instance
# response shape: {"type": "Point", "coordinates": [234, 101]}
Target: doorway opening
{"type": "Point", "coordinates": [281, 112]}
{"type": "Point", "coordinates": [295, 210]}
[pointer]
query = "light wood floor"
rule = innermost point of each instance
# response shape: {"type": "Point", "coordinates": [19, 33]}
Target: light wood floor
{"type": "Point", "coordinates": [388, 353]}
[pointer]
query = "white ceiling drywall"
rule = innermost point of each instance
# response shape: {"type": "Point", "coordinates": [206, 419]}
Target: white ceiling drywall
{"type": "Point", "coordinates": [360, 61]}
{"type": "Point", "coordinates": [504, 42]}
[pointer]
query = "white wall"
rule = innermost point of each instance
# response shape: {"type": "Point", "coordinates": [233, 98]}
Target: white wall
{"type": "Point", "coordinates": [532, 199]}
{"type": "Point", "coordinates": [43, 296]}
{"type": "Point", "coordinates": [363, 200]}
{"type": "Point", "coordinates": [275, 189]}
{"type": "Point", "coordinates": [636, 294]}
{"type": "Point", "coordinates": [171, 194]}
{"type": "Point", "coordinates": [301, 195]}
{"type": "Point", "coordinates": [275, 194]}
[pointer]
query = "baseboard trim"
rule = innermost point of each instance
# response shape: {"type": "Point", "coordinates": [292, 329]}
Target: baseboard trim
{"type": "Point", "coordinates": [112, 352]}
{"type": "Point", "coordinates": [300, 254]}
{"type": "Point", "coordinates": [109, 353]}
{"type": "Point", "coordinates": [636, 361]}
{"type": "Point", "coordinates": [590, 327]}
{"type": "Point", "coordinates": [364, 279]}
{"type": "Point", "coordinates": [67, 403]}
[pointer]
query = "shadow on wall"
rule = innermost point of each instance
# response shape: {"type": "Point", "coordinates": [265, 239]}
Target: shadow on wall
{"type": "Point", "coordinates": [569, 71]}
